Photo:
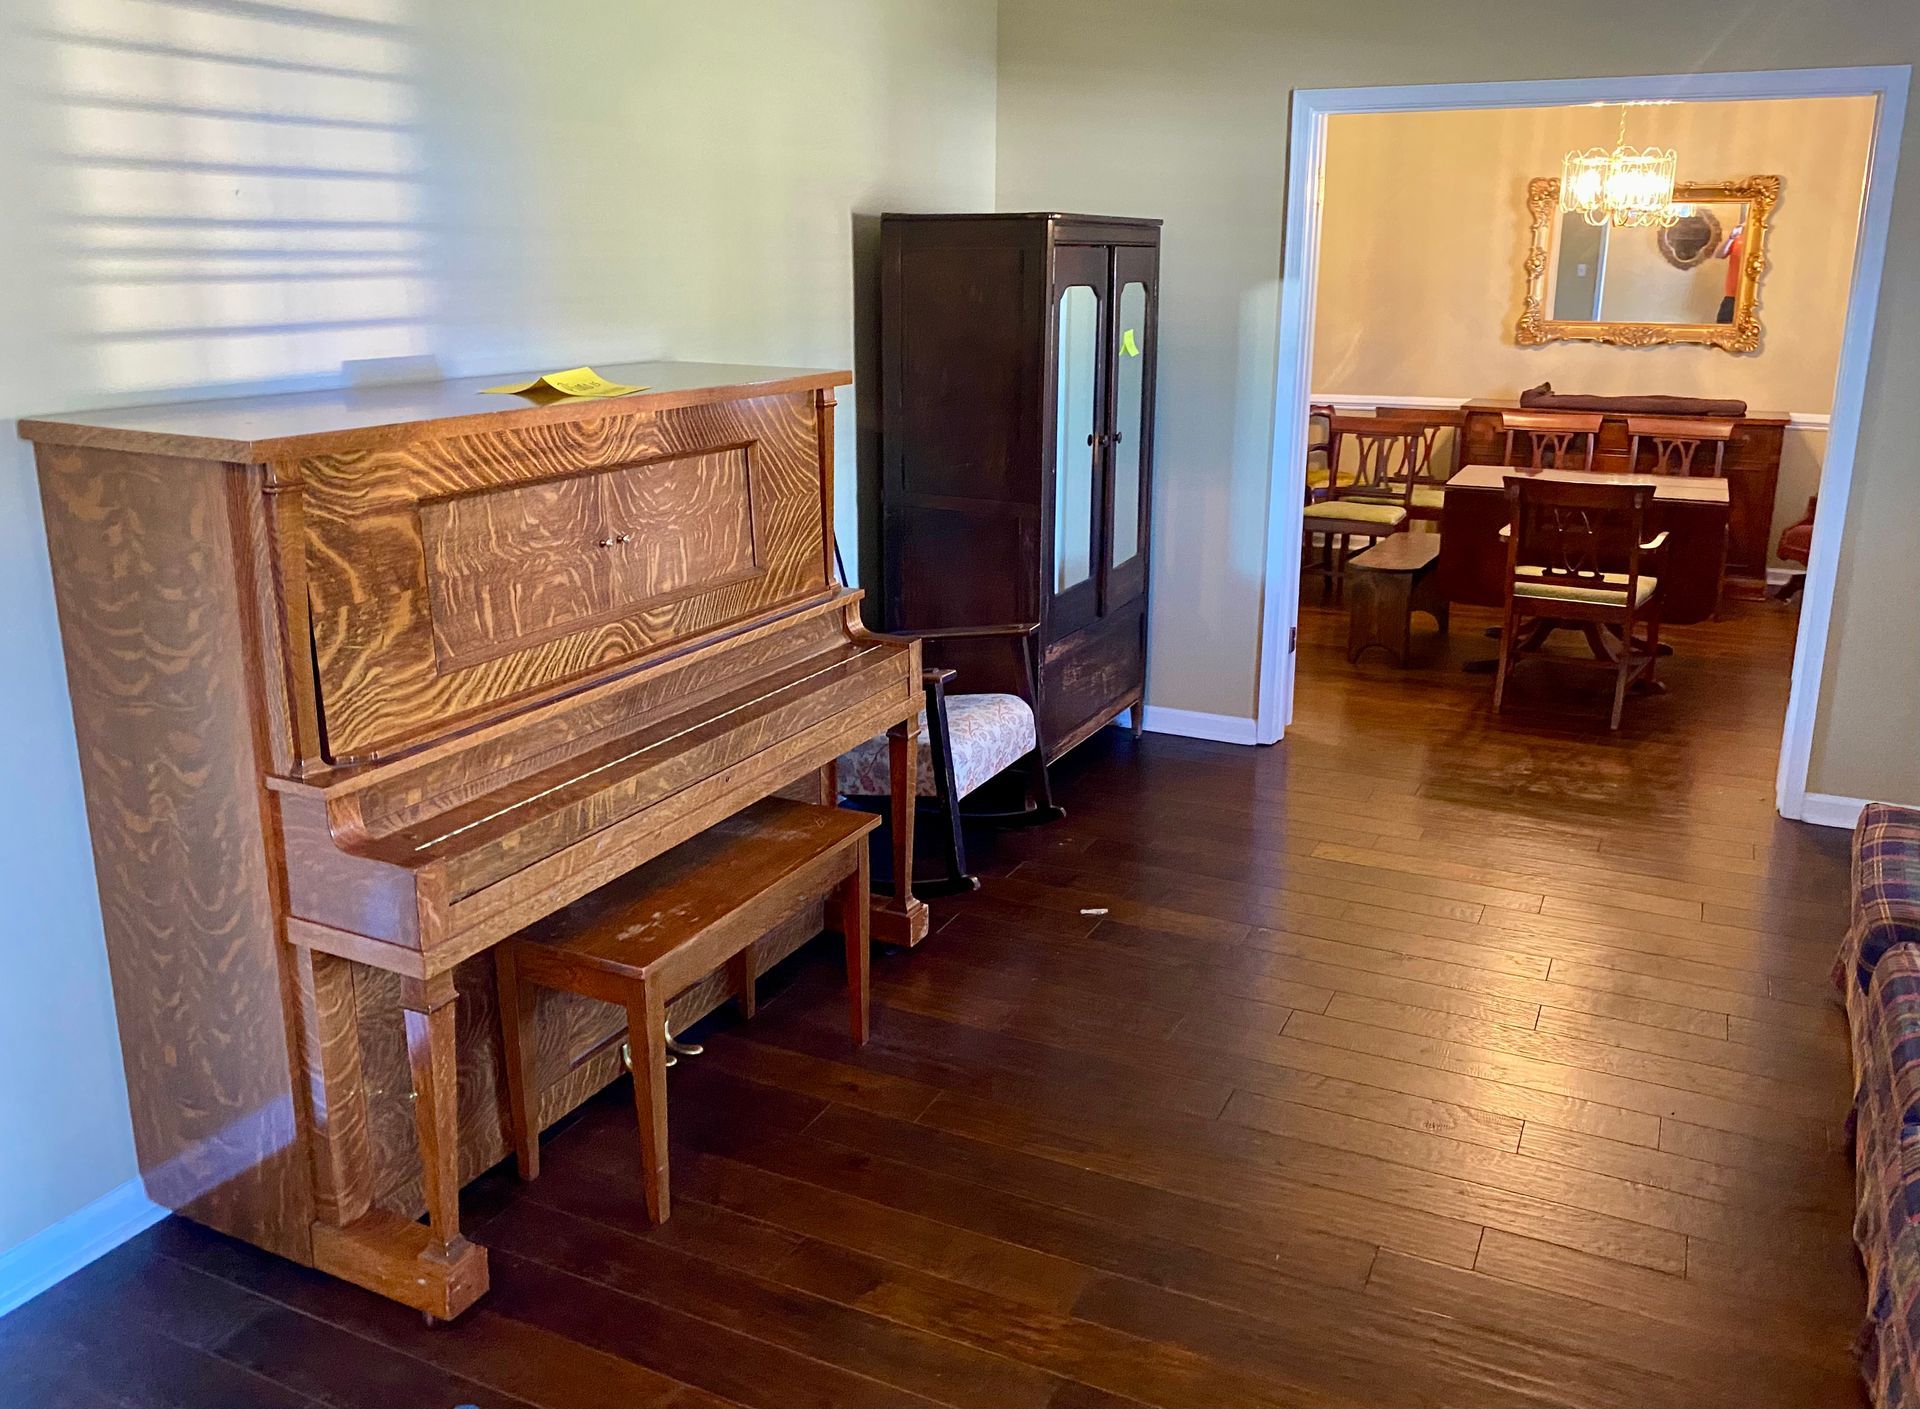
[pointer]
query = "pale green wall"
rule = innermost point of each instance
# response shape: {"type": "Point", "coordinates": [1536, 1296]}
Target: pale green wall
{"type": "Point", "coordinates": [637, 178]}
{"type": "Point", "coordinates": [1178, 108]}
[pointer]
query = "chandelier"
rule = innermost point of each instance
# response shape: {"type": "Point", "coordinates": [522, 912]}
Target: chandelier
{"type": "Point", "coordinates": [1624, 187]}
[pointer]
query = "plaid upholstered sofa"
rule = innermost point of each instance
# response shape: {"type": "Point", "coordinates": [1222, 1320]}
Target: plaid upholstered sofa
{"type": "Point", "coordinates": [1879, 971]}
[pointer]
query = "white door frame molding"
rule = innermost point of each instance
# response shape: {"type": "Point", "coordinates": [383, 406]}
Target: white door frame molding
{"type": "Point", "coordinates": [1306, 162]}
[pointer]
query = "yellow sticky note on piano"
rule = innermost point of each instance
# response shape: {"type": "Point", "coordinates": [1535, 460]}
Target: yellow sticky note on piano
{"type": "Point", "coordinates": [575, 381]}
{"type": "Point", "coordinates": [1128, 343]}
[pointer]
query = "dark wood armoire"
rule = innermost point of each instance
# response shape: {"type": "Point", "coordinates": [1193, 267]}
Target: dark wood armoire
{"type": "Point", "coordinates": [1017, 376]}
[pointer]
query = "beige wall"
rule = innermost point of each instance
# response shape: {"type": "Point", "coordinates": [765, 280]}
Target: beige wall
{"type": "Point", "coordinates": [1426, 224]}
{"type": "Point", "coordinates": [483, 183]}
{"type": "Point", "coordinates": [1416, 302]}
{"type": "Point", "coordinates": [1178, 108]}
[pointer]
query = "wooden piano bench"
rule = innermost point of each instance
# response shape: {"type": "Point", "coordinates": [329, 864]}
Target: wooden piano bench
{"type": "Point", "coordinates": [642, 939]}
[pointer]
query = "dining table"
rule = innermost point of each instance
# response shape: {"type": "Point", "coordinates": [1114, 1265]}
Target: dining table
{"type": "Point", "coordinates": [1692, 509]}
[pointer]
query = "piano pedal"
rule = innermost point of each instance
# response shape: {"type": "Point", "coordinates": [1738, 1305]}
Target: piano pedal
{"type": "Point", "coordinates": [626, 1056]}
{"type": "Point", "coordinates": [684, 1049]}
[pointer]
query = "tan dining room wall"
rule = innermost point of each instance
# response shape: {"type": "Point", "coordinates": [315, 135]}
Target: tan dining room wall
{"type": "Point", "coordinates": [1179, 109]}
{"type": "Point", "coordinates": [1426, 226]}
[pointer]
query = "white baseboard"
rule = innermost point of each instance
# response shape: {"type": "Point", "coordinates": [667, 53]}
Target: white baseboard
{"type": "Point", "coordinates": [1194, 724]}
{"type": "Point", "coordinates": [1826, 810]}
{"type": "Point", "coordinates": [60, 1251]}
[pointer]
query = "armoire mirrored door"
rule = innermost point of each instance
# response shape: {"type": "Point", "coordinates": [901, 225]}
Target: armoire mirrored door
{"type": "Point", "coordinates": [1079, 432]}
{"type": "Point", "coordinates": [1130, 342]}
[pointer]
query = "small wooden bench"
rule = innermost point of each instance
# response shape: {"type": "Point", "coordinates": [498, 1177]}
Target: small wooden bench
{"type": "Point", "coordinates": [640, 940]}
{"type": "Point", "coordinates": [1386, 585]}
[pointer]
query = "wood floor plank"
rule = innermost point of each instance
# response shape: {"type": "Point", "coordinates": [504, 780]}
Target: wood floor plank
{"type": "Point", "coordinates": [1763, 1319]}
{"type": "Point", "coordinates": [1397, 1204]}
{"type": "Point", "coordinates": [1684, 1174]}
{"type": "Point", "coordinates": [1159, 1059]}
{"type": "Point", "coordinates": [1820, 1102]}
{"type": "Point", "coordinates": [1478, 951]}
{"type": "Point", "coordinates": [736, 1366]}
{"type": "Point", "coordinates": [908, 1358]}
{"type": "Point", "coordinates": [1575, 974]}
{"type": "Point", "coordinates": [1070, 1346]}
{"type": "Point", "coordinates": [1522, 1173]}
{"type": "Point", "coordinates": [1554, 936]}
{"type": "Point", "coordinates": [1669, 1365]}
{"type": "Point", "coordinates": [1563, 883]}
{"type": "Point", "coordinates": [830, 1214]}
{"type": "Point", "coordinates": [1270, 1042]}
{"type": "Point", "coordinates": [1815, 1067]}
{"type": "Point", "coordinates": [1097, 1219]}
{"type": "Point", "coordinates": [503, 1353]}
{"type": "Point", "coordinates": [1626, 1092]}
{"type": "Point", "coordinates": [1354, 1353]}
{"type": "Point", "coordinates": [1656, 883]}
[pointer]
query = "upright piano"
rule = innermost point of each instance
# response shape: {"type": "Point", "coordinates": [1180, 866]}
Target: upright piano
{"type": "Point", "coordinates": [366, 680]}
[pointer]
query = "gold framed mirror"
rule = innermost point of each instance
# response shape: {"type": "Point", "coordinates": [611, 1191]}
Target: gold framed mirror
{"type": "Point", "coordinates": [1696, 281]}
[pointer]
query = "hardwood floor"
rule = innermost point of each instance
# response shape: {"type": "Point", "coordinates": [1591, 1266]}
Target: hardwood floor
{"type": "Point", "coordinates": [1427, 1058]}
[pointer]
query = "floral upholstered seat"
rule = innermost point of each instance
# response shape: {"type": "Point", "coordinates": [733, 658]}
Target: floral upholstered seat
{"type": "Point", "coordinates": [990, 733]}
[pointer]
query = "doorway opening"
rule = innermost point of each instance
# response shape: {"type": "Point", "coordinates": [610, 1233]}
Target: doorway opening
{"type": "Point", "coordinates": [1466, 190]}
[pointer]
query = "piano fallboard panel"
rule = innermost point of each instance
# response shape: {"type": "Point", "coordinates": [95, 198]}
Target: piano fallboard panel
{"type": "Point", "coordinates": [411, 887]}
{"type": "Point", "coordinates": [434, 783]}
{"type": "Point", "coordinates": [459, 576]}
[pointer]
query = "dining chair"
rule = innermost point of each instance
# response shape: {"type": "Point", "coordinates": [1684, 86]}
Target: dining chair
{"type": "Point", "coordinates": [1675, 444]}
{"type": "Point", "coordinates": [1567, 546]}
{"type": "Point", "coordinates": [1376, 501]}
{"type": "Point", "coordinates": [1430, 473]}
{"type": "Point", "coordinates": [1552, 437]}
{"type": "Point", "coordinates": [1796, 546]}
{"type": "Point", "coordinates": [1320, 443]}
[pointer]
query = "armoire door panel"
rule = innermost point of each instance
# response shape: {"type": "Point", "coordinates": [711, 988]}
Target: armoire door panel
{"type": "Point", "coordinates": [1079, 431]}
{"type": "Point", "coordinates": [1133, 343]}
{"type": "Point", "coordinates": [966, 324]}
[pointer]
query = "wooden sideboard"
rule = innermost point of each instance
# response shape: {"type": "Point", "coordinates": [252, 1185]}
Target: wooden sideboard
{"type": "Point", "coordinates": [1752, 473]}
{"type": "Point", "coordinates": [366, 681]}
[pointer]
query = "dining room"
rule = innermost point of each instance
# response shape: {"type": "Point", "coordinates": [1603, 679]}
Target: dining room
{"type": "Point", "coordinates": [1572, 370]}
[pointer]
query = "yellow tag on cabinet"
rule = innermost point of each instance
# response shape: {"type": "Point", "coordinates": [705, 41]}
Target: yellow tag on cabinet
{"type": "Point", "coordinates": [576, 381]}
{"type": "Point", "coordinates": [1128, 344]}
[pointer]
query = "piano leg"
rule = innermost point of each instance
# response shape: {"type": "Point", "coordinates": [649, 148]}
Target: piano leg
{"type": "Point", "coordinates": [901, 919]}
{"type": "Point", "coordinates": [429, 1267]}
{"type": "Point", "coordinates": [428, 1006]}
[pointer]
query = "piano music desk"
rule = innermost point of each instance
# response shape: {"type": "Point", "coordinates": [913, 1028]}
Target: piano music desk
{"type": "Point", "coordinates": [367, 680]}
